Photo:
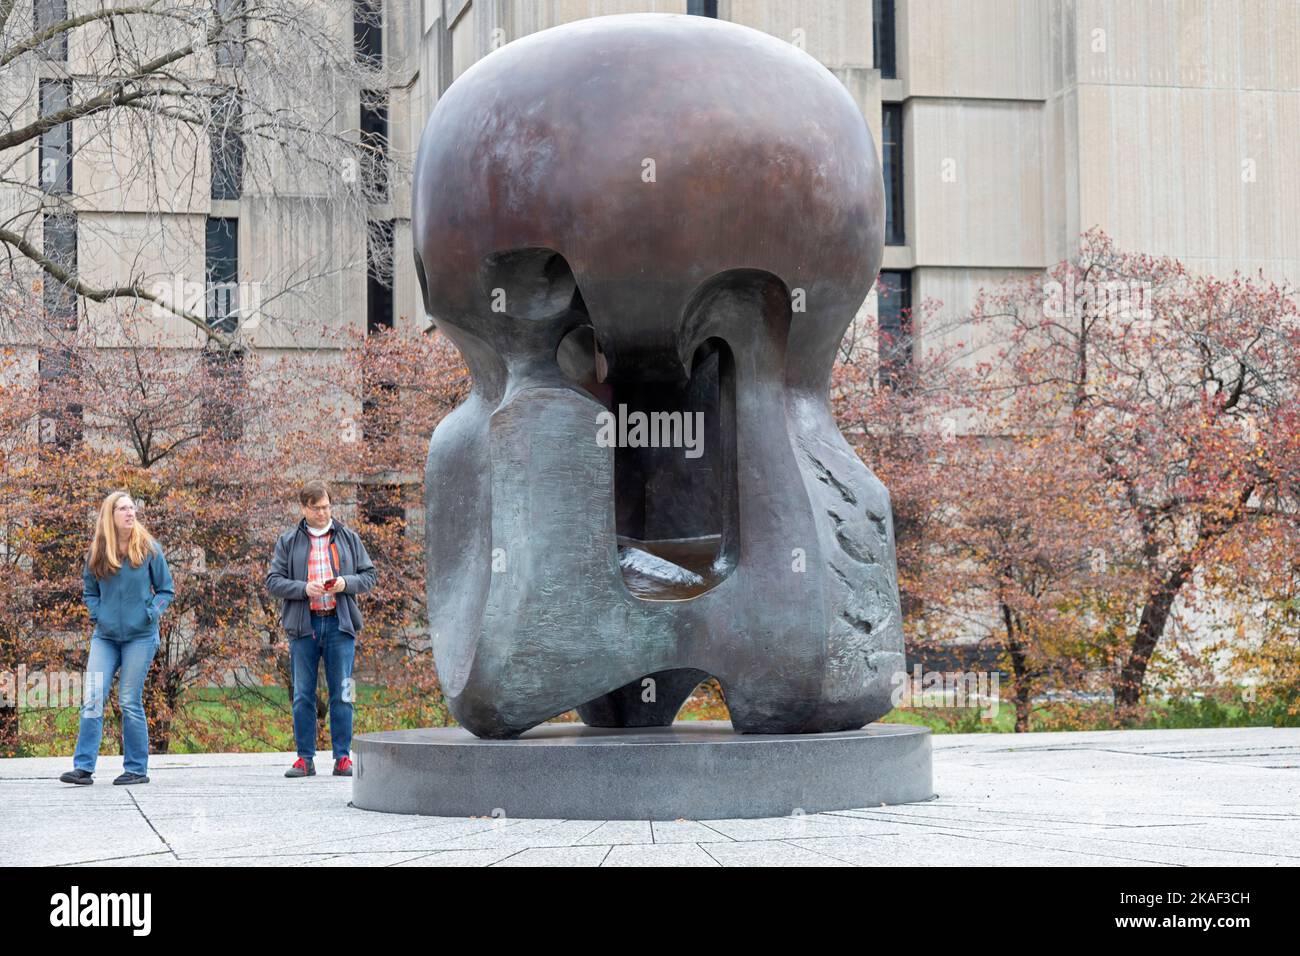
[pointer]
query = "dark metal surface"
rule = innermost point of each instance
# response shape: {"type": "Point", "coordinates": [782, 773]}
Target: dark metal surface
{"type": "Point", "coordinates": [669, 214]}
{"type": "Point", "coordinates": [695, 770]}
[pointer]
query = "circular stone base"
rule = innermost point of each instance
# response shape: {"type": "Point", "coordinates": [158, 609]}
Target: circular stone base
{"type": "Point", "coordinates": [699, 770]}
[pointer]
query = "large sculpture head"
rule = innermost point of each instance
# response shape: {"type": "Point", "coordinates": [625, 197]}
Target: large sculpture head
{"type": "Point", "coordinates": [647, 235]}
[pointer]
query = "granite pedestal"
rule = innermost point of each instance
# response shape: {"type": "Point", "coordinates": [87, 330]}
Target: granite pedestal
{"type": "Point", "coordinates": [700, 770]}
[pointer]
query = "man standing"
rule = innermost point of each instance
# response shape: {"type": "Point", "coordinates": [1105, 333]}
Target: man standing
{"type": "Point", "coordinates": [318, 569]}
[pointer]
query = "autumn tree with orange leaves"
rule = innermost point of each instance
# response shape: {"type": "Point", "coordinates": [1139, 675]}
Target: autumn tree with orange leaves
{"type": "Point", "coordinates": [997, 527]}
{"type": "Point", "coordinates": [213, 445]}
{"type": "Point", "coordinates": [1180, 391]}
{"type": "Point", "coordinates": [1122, 442]}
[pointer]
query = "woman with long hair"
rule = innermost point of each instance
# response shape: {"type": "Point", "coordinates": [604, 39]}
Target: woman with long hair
{"type": "Point", "coordinates": [127, 586]}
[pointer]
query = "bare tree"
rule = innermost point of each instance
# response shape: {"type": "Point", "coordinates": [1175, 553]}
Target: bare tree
{"type": "Point", "coordinates": [169, 106]}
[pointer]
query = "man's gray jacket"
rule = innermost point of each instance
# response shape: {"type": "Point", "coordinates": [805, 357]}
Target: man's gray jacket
{"type": "Point", "coordinates": [287, 578]}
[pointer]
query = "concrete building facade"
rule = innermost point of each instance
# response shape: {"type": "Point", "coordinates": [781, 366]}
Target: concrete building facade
{"type": "Point", "coordinates": [1006, 129]}
{"type": "Point", "coordinates": [1009, 127]}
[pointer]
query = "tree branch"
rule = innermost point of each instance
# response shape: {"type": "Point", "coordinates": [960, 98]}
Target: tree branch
{"type": "Point", "coordinates": [105, 101]}
{"type": "Point", "coordinates": [32, 42]}
{"type": "Point", "coordinates": [52, 268]}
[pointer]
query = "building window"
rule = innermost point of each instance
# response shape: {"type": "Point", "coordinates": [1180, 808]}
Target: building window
{"type": "Point", "coordinates": [58, 555]}
{"type": "Point", "coordinates": [882, 38]}
{"type": "Point", "coordinates": [368, 32]}
{"type": "Point", "coordinates": [374, 145]}
{"type": "Point", "coordinates": [60, 241]}
{"type": "Point", "coordinates": [51, 13]}
{"type": "Point", "coordinates": [224, 394]}
{"type": "Point", "coordinates": [227, 148]}
{"type": "Point", "coordinates": [378, 394]}
{"type": "Point", "coordinates": [222, 274]}
{"type": "Point", "coordinates": [892, 148]}
{"type": "Point", "coordinates": [233, 31]}
{"type": "Point", "coordinates": [379, 276]}
{"type": "Point", "coordinates": [381, 504]}
{"type": "Point", "coordinates": [60, 411]}
{"type": "Point", "coordinates": [702, 8]}
{"type": "Point", "coordinates": [894, 324]}
{"type": "Point", "coordinates": [381, 507]}
{"type": "Point", "coordinates": [56, 142]}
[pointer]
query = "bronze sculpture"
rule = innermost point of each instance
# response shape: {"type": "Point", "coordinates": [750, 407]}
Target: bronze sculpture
{"type": "Point", "coordinates": [674, 217]}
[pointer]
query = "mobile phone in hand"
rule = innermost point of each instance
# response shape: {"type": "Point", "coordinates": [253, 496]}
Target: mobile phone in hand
{"type": "Point", "coordinates": [328, 584]}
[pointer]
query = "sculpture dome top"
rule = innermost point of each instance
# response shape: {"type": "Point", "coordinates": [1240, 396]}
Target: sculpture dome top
{"type": "Point", "coordinates": [652, 152]}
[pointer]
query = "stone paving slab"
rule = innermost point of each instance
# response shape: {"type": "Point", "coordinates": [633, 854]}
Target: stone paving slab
{"type": "Point", "coordinates": [1111, 798]}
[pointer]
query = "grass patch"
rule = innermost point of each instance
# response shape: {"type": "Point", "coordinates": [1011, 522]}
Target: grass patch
{"type": "Point", "coordinates": [240, 720]}
{"type": "Point", "coordinates": [234, 719]}
{"type": "Point", "coordinates": [1175, 713]}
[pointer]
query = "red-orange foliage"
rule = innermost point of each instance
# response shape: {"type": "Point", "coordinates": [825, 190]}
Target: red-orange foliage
{"type": "Point", "coordinates": [1123, 438]}
{"type": "Point", "coordinates": [213, 448]}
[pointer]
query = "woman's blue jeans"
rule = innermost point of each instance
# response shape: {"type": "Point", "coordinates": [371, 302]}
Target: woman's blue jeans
{"type": "Point", "coordinates": [107, 658]}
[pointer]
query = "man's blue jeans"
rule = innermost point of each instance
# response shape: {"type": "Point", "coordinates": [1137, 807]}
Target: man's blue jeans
{"type": "Point", "coordinates": [107, 658]}
{"type": "Point", "coordinates": [338, 649]}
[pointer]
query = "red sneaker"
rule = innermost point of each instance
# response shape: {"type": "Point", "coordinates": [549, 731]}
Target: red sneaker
{"type": "Point", "coordinates": [343, 767]}
{"type": "Point", "coordinates": [302, 767]}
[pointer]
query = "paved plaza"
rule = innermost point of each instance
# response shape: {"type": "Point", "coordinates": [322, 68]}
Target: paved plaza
{"type": "Point", "coordinates": [1160, 798]}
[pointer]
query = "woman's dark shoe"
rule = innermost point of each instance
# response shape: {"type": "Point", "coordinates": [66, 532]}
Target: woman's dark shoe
{"type": "Point", "coordinates": [129, 778]}
{"type": "Point", "coordinates": [343, 767]}
{"type": "Point", "coordinates": [302, 767]}
{"type": "Point", "coordinates": [81, 777]}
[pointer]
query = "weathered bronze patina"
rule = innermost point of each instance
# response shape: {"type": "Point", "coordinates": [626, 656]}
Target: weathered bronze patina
{"type": "Point", "coordinates": [679, 216]}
